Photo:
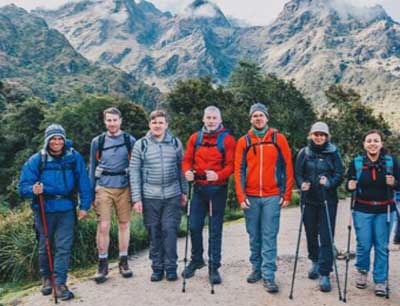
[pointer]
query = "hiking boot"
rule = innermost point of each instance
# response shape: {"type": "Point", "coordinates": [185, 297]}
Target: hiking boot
{"type": "Point", "coordinates": [171, 276]}
{"type": "Point", "coordinates": [157, 276]}
{"type": "Point", "coordinates": [361, 279]}
{"type": "Point", "coordinates": [380, 289]}
{"type": "Point", "coordinates": [102, 271]}
{"type": "Point", "coordinates": [271, 286]}
{"type": "Point", "coordinates": [325, 283]}
{"type": "Point", "coordinates": [215, 277]}
{"type": "Point", "coordinates": [124, 267]}
{"type": "Point", "coordinates": [254, 276]}
{"type": "Point", "coordinates": [47, 289]}
{"type": "Point", "coordinates": [191, 268]}
{"type": "Point", "coordinates": [313, 272]}
{"type": "Point", "coordinates": [63, 293]}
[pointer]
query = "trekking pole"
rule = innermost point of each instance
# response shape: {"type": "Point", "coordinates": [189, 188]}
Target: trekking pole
{"type": "Point", "coordinates": [388, 250]}
{"type": "Point", "coordinates": [185, 260]}
{"type": "Point", "coordinates": [353, 194]}
{"type": "Point", "coordinates": [298, 243]}
{"type": "Point", "coordinates": [332, 241]}
{"type": "Point", "coordinates": [210, 214]}
{"type": "Point", "coordinates": [49, 258]}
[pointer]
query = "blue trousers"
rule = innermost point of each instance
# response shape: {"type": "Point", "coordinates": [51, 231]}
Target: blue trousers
{"type": "Point", "coordinates": [60, 226]}
{"type": "Point", "coordinates": [372, 230]}
{"type": "Point", "coordinates": [199, 209]}
{"type": "Point", "coordinates": [262, 225]}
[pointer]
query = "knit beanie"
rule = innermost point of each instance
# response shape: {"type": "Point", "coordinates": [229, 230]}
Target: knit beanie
{"type": "Point", "coordinates": [259, 107]}
{"type": "Point", "coordinates": [52, 130]}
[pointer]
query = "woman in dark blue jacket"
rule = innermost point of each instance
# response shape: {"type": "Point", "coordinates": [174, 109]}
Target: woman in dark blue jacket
{"type": "Point", "coordinates": [319, 172]}
{"type": "Point", "coordinates": [56, 172]}
{"type": "Point", "coordinates": [373, 176]}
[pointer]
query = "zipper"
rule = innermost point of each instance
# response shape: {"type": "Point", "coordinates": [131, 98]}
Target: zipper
{"type": "Point", "coordinates": [162, 172]}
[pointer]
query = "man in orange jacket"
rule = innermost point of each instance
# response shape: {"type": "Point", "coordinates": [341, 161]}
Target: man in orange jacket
{"type": "Point", "coordinates": [208, 162]}
{"type": "Point", "coordinates": [263, 181]}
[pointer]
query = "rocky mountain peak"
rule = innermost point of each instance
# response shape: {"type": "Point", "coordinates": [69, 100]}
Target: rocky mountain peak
{"type": "Point", "coordinates": [205, 10]}
{"type": "Point", "coordinates": [342, 8]}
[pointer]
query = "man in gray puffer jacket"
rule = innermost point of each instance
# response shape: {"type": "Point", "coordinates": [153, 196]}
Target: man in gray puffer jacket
{"type": "Point", "coordinates": [158, 190]}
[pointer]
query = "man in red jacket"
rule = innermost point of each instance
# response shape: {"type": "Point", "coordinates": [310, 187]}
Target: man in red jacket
{"type": "Point", "coordinates": [263, 181]}
{"type": "Point", "coordinates": [208, 162]}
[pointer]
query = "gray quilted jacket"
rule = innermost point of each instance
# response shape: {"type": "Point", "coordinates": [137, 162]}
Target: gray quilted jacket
{"type": "Point", "coordinates": [155, 168]}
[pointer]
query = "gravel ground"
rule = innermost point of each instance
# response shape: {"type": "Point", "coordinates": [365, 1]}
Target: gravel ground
{"type": "Point", "coordinates": [234, 290]}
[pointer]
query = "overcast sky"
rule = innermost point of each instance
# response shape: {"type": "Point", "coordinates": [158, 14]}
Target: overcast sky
{"type": "Point", "coordinates": [256, 12]}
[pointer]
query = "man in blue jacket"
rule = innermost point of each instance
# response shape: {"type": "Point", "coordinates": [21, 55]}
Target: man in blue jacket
{"type": "Point", "coordinates": [56, 172]}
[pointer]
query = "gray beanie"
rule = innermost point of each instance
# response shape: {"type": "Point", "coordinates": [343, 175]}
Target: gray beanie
{"type": "Point", "coordinates": [52, 130]}
{"type": "Point", "coordinates": [321, 127]}
{"type": "Point", "coordinates": [259, 107]}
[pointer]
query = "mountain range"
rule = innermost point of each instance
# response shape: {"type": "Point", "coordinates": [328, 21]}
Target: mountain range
{"type": "Point", "coordinates": [316, 43]}
{"type": "Point", "coordinates": [36, 60]}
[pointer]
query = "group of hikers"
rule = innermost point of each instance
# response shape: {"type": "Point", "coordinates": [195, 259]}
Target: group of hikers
{"type": "Point", "coordinates": [156, 177]}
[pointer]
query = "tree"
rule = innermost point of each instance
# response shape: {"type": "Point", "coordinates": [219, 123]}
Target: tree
{"type": "Point", "coordinates": [186, 103]}
{"type": "Point", "coordinates": [20, 128]}
{"type": "Point", "coordinates": [84, 120]}
{"type": "Point", "coordinates": [289, 111]}
{"type": "Point", "coordinates": [349, 119]}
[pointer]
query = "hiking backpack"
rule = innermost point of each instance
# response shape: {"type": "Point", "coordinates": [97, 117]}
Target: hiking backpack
{"type": "Point", "coordinates": [359, 164]}
{"type": "Point", "coordinates": [100, 147]}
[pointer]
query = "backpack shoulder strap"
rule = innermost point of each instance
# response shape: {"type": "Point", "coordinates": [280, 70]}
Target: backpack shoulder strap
{"type": "Point", "coordinates": [128, 144]}
{"type": "Point", "coordinates": [358, 165]}
{"type": "Point", "coordinates": [100, 146]}
{"type": "Point", "coordinates": [220, 141]}
{"type": "Point", "coordinates": [42, 161]}
{"type": "Point", "coordinates": [248, 141]}
{"type": "Point", "coordinates": [144, 144]}
{"type": "Point", "coordinates": [199, 139]}
{"type": "Point", "coordinates": [389, 164]}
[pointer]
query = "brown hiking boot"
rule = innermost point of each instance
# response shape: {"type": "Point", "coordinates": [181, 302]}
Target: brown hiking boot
{"type": "Point", "coordinates": [46, 286]}
{"type": "Point", "coordinates": [124, 269]}
{"type": "Point", "coordinates": [102, 271]}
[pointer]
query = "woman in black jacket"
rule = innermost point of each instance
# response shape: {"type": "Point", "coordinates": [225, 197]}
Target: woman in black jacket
{"type": "Point", "coordinates": [318, 174]}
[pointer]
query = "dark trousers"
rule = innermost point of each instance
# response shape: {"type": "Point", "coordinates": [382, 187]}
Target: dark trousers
{"type": "Point", "coordinates": [162, 219]}
{"type": "Point", "coordinates": [397, 230]}
{"type": "Point", "coordinates": [60, 226]}
{"type": "Point", "coordinates": [319, 244]}
{"type": "Point", "coordinates": [199, 209]}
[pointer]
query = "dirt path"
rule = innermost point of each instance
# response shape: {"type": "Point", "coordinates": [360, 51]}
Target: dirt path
{"type": "Point", "coordinates": [235, 290]}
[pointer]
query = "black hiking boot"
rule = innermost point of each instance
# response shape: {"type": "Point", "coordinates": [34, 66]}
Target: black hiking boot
{"type": "Point", "coordinates": [313, 273]}
{"type": "Point", "coordinates": [102, 271]}
{"type": "Point", "coordinates": [192, 267]}
{"type": "Point", "coordinates": [271, 286]}
{"type": "Point", "coordinates": [63, 293]}
{"type": "Point", "coordinates": [47, 289]}
{"type": "Point", "coordinates": [215, 277]}
{"type": "Point", "coordinates": [171, 275]}
{"type": "Point", "coordinates": [254, 276]}
{"type": "Point", "coordinates": [124, 267]}
{"type": "Point", "coordinates": [157, 276]}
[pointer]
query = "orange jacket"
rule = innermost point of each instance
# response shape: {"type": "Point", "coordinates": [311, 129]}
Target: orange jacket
{"type": "Point", "coordinates": [256, 171]}
{"type": "Point", "coordinates": [210, 158]}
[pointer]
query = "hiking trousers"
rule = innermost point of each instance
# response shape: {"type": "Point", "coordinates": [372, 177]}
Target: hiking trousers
{"type": "Point", "coordinates": [60, 227]}
{"type": "Point", "coordinates": [319, 244]}
{"type": "Point", "coordinates": [162, 219]}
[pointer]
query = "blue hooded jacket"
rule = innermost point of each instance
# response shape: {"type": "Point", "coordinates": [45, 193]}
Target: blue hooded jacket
{"type": "Point", "coordinates": [59, 176]}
